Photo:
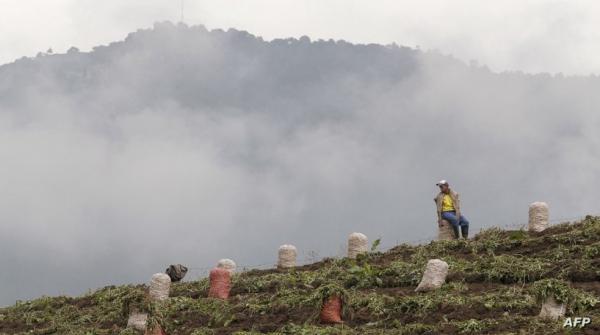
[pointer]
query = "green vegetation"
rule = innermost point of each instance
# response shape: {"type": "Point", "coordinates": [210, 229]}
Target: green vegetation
{"type": "Point", "coordinates": [495, 285]}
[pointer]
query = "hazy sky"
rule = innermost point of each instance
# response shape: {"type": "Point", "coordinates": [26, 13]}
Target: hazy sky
{"type": "Point", "coordinates": [529, 35]}
{"type": "Point", "coordinates": [181, 145]}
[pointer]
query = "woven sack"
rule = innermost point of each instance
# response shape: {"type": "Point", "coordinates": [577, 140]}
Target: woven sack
{"type": "Point", "coordinates": [176, 272]}
{"type": "Point", "coordinates": [357, 244]}
{"type": "Point", "coordinates": [331, 312]}
{"type": "Point", "coordinates": [287, 256]}
{"type": "Point", "coordinates": [434, 276]}
{"type": "Point", "coordinates": [538, 216]}
{"type": "Point", "coordinates": [445, 232]}
{"type": "Point", "coordinates": [220, 283]}
{"type": "Point", "coordinates": [227, 264]}
{"type": "Point", "coordinates": [552, 309]}
{"type": "Point", "coordinates": [160, 286]}
{"type": "Point", "coordinates": [137, 321]}
{"type": "Point", "coordinates": [156, 330]}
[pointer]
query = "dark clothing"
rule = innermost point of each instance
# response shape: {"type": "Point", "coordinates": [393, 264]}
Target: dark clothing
{"type": "Point", "coordinates": [176, 272]}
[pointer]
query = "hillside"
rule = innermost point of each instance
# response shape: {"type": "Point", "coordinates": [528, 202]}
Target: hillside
{"type": "Point", "coordinates": [491, 288]}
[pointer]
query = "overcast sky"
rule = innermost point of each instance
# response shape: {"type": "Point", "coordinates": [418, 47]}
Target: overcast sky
{"type": "Point", "coordinates": [181, 145]}
{"type": "Point", "coordinates": [528, 35]}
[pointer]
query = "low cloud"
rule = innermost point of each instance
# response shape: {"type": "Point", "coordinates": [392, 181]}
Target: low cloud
{"type": "Point", "coordinates": [184, 145]}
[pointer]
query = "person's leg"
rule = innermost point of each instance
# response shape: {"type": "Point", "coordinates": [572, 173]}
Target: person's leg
{"type": "Point", "coordinates": [464, 226]}
{"type": "Point", "coordinates": [456, 232]}
{"type": "Point", "coordinates": [451, 217]}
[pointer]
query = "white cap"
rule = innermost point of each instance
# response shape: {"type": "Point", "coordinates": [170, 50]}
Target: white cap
{"type": "Point", "coordinates": [442, 182]}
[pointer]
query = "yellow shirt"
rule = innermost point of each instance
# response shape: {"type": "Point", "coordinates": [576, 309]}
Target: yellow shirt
{"type": "Point", "coordinates": [447, 203]}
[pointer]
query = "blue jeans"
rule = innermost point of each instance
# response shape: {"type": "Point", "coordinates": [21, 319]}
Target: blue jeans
{"type": "Point", "coordinates": [457, 222]}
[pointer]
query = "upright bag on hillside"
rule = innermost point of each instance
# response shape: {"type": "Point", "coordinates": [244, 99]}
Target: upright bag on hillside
{"type": "Point", "coordinates": [220, 283]}
{"type": "Point", "coordinates": [331, 311]}
{"type": "Point", "coordinates": [137, 321]}
{"type": "Point", "coordinates": [445, 232]}
{"type": "Point", "coordinates": [434, 276]}
{"type": "Point", "coordinates": [176, 272]}
{"type": "Point", "coordinates": [156, 330]}
{"type": "Point", "coordinates": [551, 309]}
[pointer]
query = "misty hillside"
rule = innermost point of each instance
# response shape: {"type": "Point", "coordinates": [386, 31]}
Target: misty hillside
{"type": "Point", "coordinates": [183, 145]}
{"type": "Point", "coordinates": [496, 285]}
{"type": "Point", "coordinates": [299, 80]}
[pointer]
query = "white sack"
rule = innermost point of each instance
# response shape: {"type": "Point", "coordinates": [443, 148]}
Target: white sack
{"type": "Point", "coordinates": [552, 309]}
{"type": "Point", "coordinates": [227, 264]}
{"type": "Point", "coordinates": [445, 232]}
{"type": "Point", "coordinates": [357, 244]}
{"type": "Point", "coordinates": [137, 321]}
{"type": "Point", "coordinates": [434, 276]}
{"type": "Point", "coordinates": [160, 286]}
{"type": "Point", "coordinates": [538, 216]}
{"type": "Point", "coordinates": [287, 256]}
